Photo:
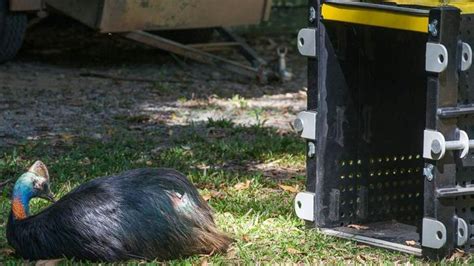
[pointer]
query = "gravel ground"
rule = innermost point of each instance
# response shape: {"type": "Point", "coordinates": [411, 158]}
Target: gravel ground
{"type": "Point", "coordinates": [48, 90]}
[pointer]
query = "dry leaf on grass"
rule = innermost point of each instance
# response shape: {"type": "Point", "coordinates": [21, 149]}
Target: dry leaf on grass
{"type": "Point", "coordinates": [243, 185]}
{"type": "Point", "coordinates": [289, 188]}
{"type": "Point", "coordinates": [458, 253]}
{"type": "Point", "coordinates": [410, 243]}
{"type": "Point", "coordinates": [48, 262]}
{"type": "Point", "coordinates": [246, 238]}
{"type": "Point", "coordinates": [231, 254]}
{"type": "Point", "coordinates": [7, 251]}
{"type": "Point", "coordinates": [204, 262]}
{"type": "Point", "coordinates": [293, 251]}
{"type": "Point", "coordinates": [358, 226]}
{"type": "Point", "coordinates": [212, 194]}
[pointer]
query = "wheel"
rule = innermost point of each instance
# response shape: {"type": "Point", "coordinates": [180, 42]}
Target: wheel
{"type": "Point", "coordinates": [188, 36]}
{"type": "Point", "coordinates": [12, 30]}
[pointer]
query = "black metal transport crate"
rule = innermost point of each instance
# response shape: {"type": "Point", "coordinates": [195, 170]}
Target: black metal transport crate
{"type": "Point", "coordinates": [390, 112]}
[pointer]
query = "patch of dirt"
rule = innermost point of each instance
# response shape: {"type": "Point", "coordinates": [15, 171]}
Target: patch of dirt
{"type": "Point", "coordinates": [51, 89]}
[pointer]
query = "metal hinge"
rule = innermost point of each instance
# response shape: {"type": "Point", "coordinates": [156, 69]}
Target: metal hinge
{"type": "Point", "coordinates": [436, 57]}
{"type": "Point", "coordinates": [304, 206]}
{"type": "Point", "coordinates": [434, 233]}
{"type": "Point", "coordinates": [435, 145]}
{"type": "Point", "coordinates": [466, 57]}
{"type": "Point", "coordinates": [305, 124]}
{"type": "Point", "coordinates": [307, 42]}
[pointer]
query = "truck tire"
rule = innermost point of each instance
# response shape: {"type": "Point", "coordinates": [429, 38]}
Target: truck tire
{"type": "Point", "coordinates": [12, 30]}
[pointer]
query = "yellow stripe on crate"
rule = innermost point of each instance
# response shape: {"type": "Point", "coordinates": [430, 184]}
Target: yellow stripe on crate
{"type": "Point", "coordinates": [375, 17]}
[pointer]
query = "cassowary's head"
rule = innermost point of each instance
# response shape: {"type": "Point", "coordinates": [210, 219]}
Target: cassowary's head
{"type": "Point", "coordinates": [34, 183]}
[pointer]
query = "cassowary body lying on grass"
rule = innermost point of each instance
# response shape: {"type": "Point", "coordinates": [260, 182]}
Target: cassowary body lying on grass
{"type": "Point", "coordinates": [139, 214]}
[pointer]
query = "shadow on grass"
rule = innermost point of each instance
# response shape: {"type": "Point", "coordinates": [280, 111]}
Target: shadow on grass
{"type": "Point", "coordinates": [195, 150]}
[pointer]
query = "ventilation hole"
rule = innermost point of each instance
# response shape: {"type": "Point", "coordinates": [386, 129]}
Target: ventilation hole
{"type": "Point", "coordinates": [299, 204]}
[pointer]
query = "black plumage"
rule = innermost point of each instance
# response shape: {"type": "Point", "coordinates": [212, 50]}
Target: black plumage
{"type": "Point", "coordinates": [139, 214]}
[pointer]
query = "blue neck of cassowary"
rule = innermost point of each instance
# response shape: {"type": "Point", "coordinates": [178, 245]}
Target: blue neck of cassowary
{"type": "Point", "coordinates": [23, 192]}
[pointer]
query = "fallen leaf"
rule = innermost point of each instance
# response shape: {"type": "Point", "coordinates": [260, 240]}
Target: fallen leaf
{"type": "Point", "coordinates": [293, 251]}
{"type": "Point", "coordinates": [231, 253]}
{"type": "Point", "coordinates": [458, 253]}
{"type": "Point", "coordinates": [48, 262]}
{"type": "Point", "coordinates": [212, 194]}
{"type": "Point", "coordinates": [7, 251]}
{"type": "Point", "coordinates": [289, 188]}
{"type": "Point", "coordinates": [204, 262]}
{"type": "Point", "coordinates": [246, 238]}
{"type": "Point", "coordinates": [207, 197]}
{"type": "Point", "coordinates": [242, 186]}
{"type": "Point", "coordinates": [410, 243]}
{"type": "Point", "coordinates": [361, 258]}
{"type": "Point", "coordinates": [358, 227]}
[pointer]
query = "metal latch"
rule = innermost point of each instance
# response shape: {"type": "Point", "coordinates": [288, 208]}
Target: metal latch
{"type": "Point", "coordinates": [307, 42]}
{"type": "Point", "coordinates": [436, 57]}
{"type": "Point", "coordinates": [435, 145]}
{"type": "Point", "coordinates": [463, 232]}
{"type": "Point", "coordinates": [434, 233]}
{"type": "Point", "coordinates": [466, 57]}
{"type": "Point", "coordinates": [304, 206]}
{"type": "Point", "coordinates": [305, 124]}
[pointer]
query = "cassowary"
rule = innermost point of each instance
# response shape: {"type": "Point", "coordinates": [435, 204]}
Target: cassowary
{"type": "Point", "coordinates": [139, 214]}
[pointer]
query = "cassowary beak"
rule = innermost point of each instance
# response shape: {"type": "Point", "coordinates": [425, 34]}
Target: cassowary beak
{"type": "Point", "coordinates": [49, 196]}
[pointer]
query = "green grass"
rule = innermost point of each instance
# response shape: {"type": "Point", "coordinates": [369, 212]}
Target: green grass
{"type": "Point", "coordinates": [259, 217]}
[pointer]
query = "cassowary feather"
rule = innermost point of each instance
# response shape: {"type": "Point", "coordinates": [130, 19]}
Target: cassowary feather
{"type": "Point", "coordinates": [139, 214]}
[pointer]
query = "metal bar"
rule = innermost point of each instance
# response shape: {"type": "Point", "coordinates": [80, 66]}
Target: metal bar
{"type": "Point", "coordinates": [373, 241]}
{"type": "Point", "coordinates": [394, 8]}
{"type": "Point", "coordinates": [215, 46]}
{"type": "Point", "coordinates": [245, 49]}
{"type": "Point", "coordinates": [451, 112]}
{"type": "Point", "coordinates": [192, 53]}
{"type": "Point", "coordinates": [387, 18]}
{"type": "Point", "coordinates": [455, 192]}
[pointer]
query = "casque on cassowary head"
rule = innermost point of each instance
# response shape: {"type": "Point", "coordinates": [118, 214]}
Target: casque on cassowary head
{"type": "Point", "coordinates": [139, 214]}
